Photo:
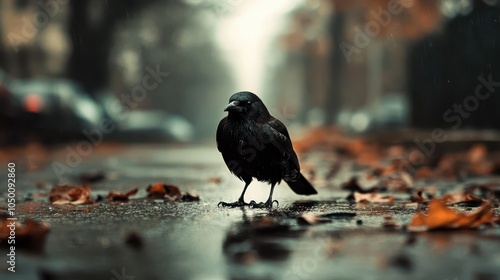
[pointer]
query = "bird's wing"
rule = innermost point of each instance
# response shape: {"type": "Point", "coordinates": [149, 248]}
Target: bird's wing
{"type": "Point", "coordinates": [281, 140]}
{"type": "Point", "coordinates": [220, 132]}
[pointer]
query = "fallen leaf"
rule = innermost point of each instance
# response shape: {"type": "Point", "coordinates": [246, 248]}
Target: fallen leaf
{"type": "Point", "coordinates": [190, 197]}
{"type": "Point", "coordinates": [171, 193]}
{"type": "Point", "coordinates": [311, 219]}
{"type": "Point", "coordinates": [401, 182]}
{"type": "Point", "coordinates": [70, 195]}
{"type": "Point", "coordinates": [420, 196]}
{"type": "Point", "coordinates": [122, 196]}
{"type": "Point", "coordinates": [463, 199]}
{"type": "Point", "coordinates": [352, 185]}
{"type": "Point", "coordinates": [159, 190]}
{"type": "Point", "coordinates": [373, 197]}
{"type": "Point", "coordinates": [441, 217]}
{"type": "Point", "coordinates": [30, 236]}
{"type": "Point", "coordinates": [489, 191]}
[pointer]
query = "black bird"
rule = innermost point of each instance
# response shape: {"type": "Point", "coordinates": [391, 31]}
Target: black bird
{"type": "Point", "coordinates": [254, 144]}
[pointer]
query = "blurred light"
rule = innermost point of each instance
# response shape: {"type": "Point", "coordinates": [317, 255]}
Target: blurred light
{"type": "Point", "coordinates": [491, 2]}
{"type": "Point", "coordinates": [247, 36]}
{"type": "Point", "coordinates": [316, 117]}
{"type": "Point", "coordinates": [452, 8]}
{"type": "Point", "coordinates": [87, 110]}
{"type": "Point", "coordinates": [180, 128]}
{"type": "Point", "coordinates": [360, 121]}
{"type": "Point", "coordinates": [129, 60]}
{"type": "Point", "coordinates": [33, 103]}
{"type": "Point", "coordinates": [344, 118]}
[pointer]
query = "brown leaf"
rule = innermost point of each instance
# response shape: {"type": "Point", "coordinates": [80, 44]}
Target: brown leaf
{"type": "Point", "coordinates": [352, 185]}
{"type": "Point", "coordinates": [159, 190]}
{"type": "Point", "coordinates": [462, 198]}
{"type": "Point", "coordinates": [311, 219]}
{"type": "Point", "coordinates": [419, 196]}
{"type": "Point", "coordinates": [122, 196]}
{"type": "Point", "coordinates": [402, 182]}
{"type": "Point", "coordinates": [29, 236]}
{"type": "Point", "coordinates": [373, 197]}
{"type": "Point", "coordinates": [171, 193]}
{"type": "Point", "coordinates": [190, 197]}
{"type": "Point", "coordinates": [70, 195]}
{"type": "Point", "coordinates": [487, 190]}
{"type": "Point", "coordinates": [441, 217]}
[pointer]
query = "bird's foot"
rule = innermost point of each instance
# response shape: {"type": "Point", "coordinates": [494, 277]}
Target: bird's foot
{"type": "Point", "coordinates": [239, 203]}
{"type": "Point", "coordinates": [263, 205]}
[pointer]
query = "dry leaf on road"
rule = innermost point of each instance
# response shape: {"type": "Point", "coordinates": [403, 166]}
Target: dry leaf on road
{"type": "Point", "coordinates": [373, 197]}
{"type": "Point", "coordinates": [442, 217]}
{"type": "Point", "coordinates": [122, 196]}
{"type": "Point", "coordinates": [70, 195]}
{"type": "Point", "coordinates": [30, 236]}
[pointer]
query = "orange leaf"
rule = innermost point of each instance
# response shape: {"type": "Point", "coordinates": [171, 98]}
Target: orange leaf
{"type": "Point", "coordinates": [70, 195]}
{"type": "Point", "coordinates": [441, 217]}
{"type": "Point", "coordinates": [161, 190]}
{"type": "Point", "coordinates": [121, 196]}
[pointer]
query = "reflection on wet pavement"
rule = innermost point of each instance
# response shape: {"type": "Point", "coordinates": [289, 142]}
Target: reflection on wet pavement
{"type": "Point", "coordinates": [318, 237]}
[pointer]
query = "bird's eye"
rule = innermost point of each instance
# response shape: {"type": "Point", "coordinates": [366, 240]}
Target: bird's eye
{"type": "Point", "coordinates": [249, 102]}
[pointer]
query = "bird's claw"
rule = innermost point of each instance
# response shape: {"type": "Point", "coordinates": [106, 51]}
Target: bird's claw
{"type": "Point", "coordinates": [277, 203]}
{"type": "Point", "coordinates": [232, 204]}
{"type": "Point", "coordinates": [267, 204]}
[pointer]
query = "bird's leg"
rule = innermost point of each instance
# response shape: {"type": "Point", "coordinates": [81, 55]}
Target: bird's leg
{"type": "Point", "coordinates": [240, 202]}
{"type": "Point", "coordinates": [269, 203]}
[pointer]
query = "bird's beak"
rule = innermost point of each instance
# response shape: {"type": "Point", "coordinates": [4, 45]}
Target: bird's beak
{"type": "Point", "coordinates": [233, 106]}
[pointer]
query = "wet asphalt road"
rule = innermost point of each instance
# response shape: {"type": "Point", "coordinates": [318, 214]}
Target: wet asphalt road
{"type": "Point", "coordinates": [198, 240]}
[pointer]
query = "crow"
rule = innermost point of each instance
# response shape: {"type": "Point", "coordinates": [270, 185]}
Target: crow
{"type": "Point", "coordinates": [254, 144]}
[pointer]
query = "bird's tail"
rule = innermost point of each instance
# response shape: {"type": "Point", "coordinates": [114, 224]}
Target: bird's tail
{"type": "Point", "coordinates": [300, 185]}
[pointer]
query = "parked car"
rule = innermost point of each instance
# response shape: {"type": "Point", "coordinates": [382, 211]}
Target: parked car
{"type": "Point", "coordinates": [143, 125]}
{"type": "Point", "coordinates": [154, 126]}
{"type": "Point", "coordinates": [57, 109]}
{"type": "Point", "coordinates": [390, 112]}
{"type": "Point", "coordinates": [48, 110]}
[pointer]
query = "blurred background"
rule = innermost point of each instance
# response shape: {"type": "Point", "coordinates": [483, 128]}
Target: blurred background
{"type": "Point", "coordinates": [163, 70]}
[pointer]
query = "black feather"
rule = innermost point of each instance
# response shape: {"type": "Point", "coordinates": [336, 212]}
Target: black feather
{"type": "Point", "coordinates": [254, 144]}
